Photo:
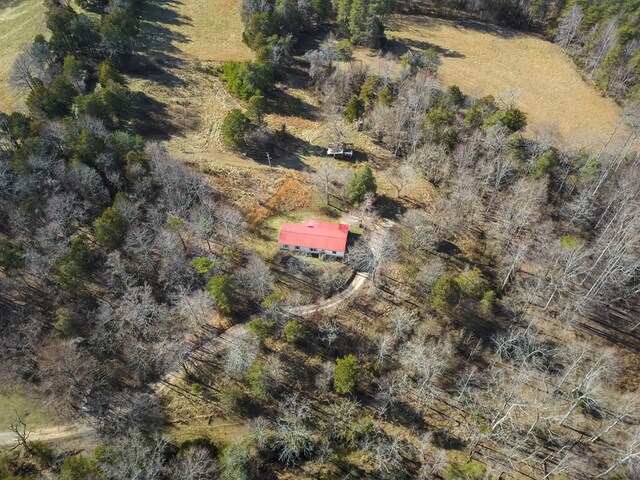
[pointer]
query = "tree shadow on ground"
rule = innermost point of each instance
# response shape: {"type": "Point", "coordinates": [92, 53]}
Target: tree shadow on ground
{"type": "Point", "coordinates": [400, 46]}
{"type": "Point", "coordinates": [287, 105]}
{"type": "Point", "coordinates": [482, 328]}
{"type": "Point", "coordinates": [154, 70]}
{"type": "Point", "coordinates": [408, 22]}
{"type": "Point", "coordinates": [157, 38]}
{"type": "Point", "coordinates": [151, 119]}
{"type": "Point", "coordinates": [390, 207]}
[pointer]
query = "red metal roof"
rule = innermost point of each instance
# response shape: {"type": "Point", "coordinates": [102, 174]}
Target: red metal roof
{"type": "Point", "coordinates": [314, 234]}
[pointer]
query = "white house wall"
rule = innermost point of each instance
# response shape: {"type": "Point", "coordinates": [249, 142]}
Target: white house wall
{"type": "Point", "coordinates": [330, 253]}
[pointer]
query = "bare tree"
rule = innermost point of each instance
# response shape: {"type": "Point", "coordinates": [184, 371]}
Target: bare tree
{"type": "Point", "coordinates": [568, 27]}
{"type": "Point", "coordinates": [293, 436]}
{"type": "Point", "coordinates": [255, 278]}
{"type": "Point", "coordinates": [195, 463]}
{"type": "Point", "coordinates": [628, 455]}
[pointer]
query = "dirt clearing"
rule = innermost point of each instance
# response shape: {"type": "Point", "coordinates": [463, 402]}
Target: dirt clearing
{"type": "Point", "coordinates": [20, 21]}
{"type": "Point", "coordinates": [484, 59]}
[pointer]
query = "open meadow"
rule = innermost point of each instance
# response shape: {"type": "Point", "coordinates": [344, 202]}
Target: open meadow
{"type": "Point", "coordinates": [486, 60]}
{"type": "Point", "coordinates": [195, 30]}
{"type": "Point", "coordinates": [20, 21]}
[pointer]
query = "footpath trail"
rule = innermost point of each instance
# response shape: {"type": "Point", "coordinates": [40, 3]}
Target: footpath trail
{"type": "Point", "coordinates": [50, 434]}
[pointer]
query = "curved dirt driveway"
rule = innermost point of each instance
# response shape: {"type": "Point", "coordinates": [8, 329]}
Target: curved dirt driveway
{"type": "Point", "coordinates": [357, 282]}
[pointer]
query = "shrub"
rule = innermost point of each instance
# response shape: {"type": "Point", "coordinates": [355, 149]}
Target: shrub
{"type": "Point", "coordinates": [235, 127]}
{"type": "Point", "coordinates": [220, 289]}
{"type": "Point", "coordinates": [488, 301]}
{"type": "Point", "coordinates": [271, 306]}
{"type": "Point", "coordinates": [467, 471]}
{"type": "Point", "coordinates": [107, 72]}
{"type": "Point", "coordinates": [77, 467]}
{"type": "Point", "coordinates": [354, 109]}
{"type": "Point", "coordinates": [472, 283]}
{"type": "Point", "coordinates": [233, 398]}
{"type": "Point", "coordinates": [111, 228]}
{"type": "Point", "coordinates": [363, 182]}
{"type": "Point", "coordinates": [514, 119]}
{"type": "Point", "coordinates": [200, 442]}
{"type": "Point", "coordinates": [445, 293]}
{"type": "Point", "coordinates": [454, 96]}
{"type": "Point", "coordinates": [42, 452]}
{"type": "Point", "coordinates": [196, 388]}
{"type": "Point", "coordinates": [294, 331]}
{"type": "Point", "coordinates": [345, 374]}
{"type": "Point", "coordinates": [344, 49]}
{"type": "Point", "coordinates": [259, 380]}
{"type": "Point", "coordinates": [246, 79]}
{"type": "Point", "coordinates": [76, 264]}
{"type": "Point", "coordinates": [427, 60]}
{"type": "Point", "coordinates": [239, 461]}
{"type": "Point", "coordinates": [481, 109]}
{"type": "Point", "coordinates": [66, 323]}
{"type": "Point", "coordinates": [11, 257]}
{"type": "Point", "coordinates": [202, 264]}
{"type": "Point", "coordinates": [385, 97]}
{"type": "Point", "coordinates": [544, 164]}
{"type": "Point", "coordinates": [257, 107]}
{"type": "Point", "coordinates": [260, 328]}
{"type": "Point", "coordinates": [569, 242]}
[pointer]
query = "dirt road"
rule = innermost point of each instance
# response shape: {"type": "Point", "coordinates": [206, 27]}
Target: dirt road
{"type": "Point", "coordinates": [63, 432]}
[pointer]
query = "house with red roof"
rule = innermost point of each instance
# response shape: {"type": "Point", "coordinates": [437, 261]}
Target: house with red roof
{"type": "Point", "coordinates": [323, 238]}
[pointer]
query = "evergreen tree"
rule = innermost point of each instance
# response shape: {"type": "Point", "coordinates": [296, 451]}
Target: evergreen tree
{"type": "Point", "coordinates": [111, 228]}
{"type": "Point", "coordinates": [363, 182]}
{"type": "Point", "coordinates": [354, 109]}
{"type": "Point", "coordinates": [346, 374]}
{"type": "Point", "coordinates": [234, 128]}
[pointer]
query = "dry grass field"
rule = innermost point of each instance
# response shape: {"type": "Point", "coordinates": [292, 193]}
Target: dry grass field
{"type": "Point", "coordinates": [195, 29]}
{"type": "Point", "coordinates": [483, 59]}
{"type": "Point", "coordinates": [20, 21]}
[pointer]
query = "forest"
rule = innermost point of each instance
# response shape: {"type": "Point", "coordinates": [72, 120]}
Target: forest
{"type": "Point", "coordinates": [497, 335]}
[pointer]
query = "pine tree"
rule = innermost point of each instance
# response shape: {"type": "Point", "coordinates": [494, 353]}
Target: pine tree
{"type": "Point", "coordinates": [354, 109]}
{"type": "Point", "coordinates": [346, 374]}
{"type": "Point", "coordinates": [363, 182]}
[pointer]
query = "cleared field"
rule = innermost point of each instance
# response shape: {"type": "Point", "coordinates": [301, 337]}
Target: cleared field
{"type": "Point", "coordinates": [483, 59]}
{"type": "Point", "coordinates": [20, 21]}
{"type": "Point", "coordinates": [195, 29]}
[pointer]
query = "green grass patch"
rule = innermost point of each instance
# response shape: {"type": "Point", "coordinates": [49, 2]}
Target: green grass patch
{"type": "Point", "coordinates": [15, 401]}
{"type": "Point", "coordinates": [264, 239]}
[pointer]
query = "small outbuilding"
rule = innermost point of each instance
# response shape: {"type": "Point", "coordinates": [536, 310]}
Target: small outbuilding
{"type": "Point", "coordinates": [340, 149]}
{"type": "Point", "coordinates": [322, 238]}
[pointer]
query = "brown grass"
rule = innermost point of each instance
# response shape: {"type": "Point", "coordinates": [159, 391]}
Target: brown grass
{"type": "Point", "coordinates": [20, 21]}
{"type": "Point", "coordinates": [197, 29]}
{"type": "Point", "coordinates": [485, 60]}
